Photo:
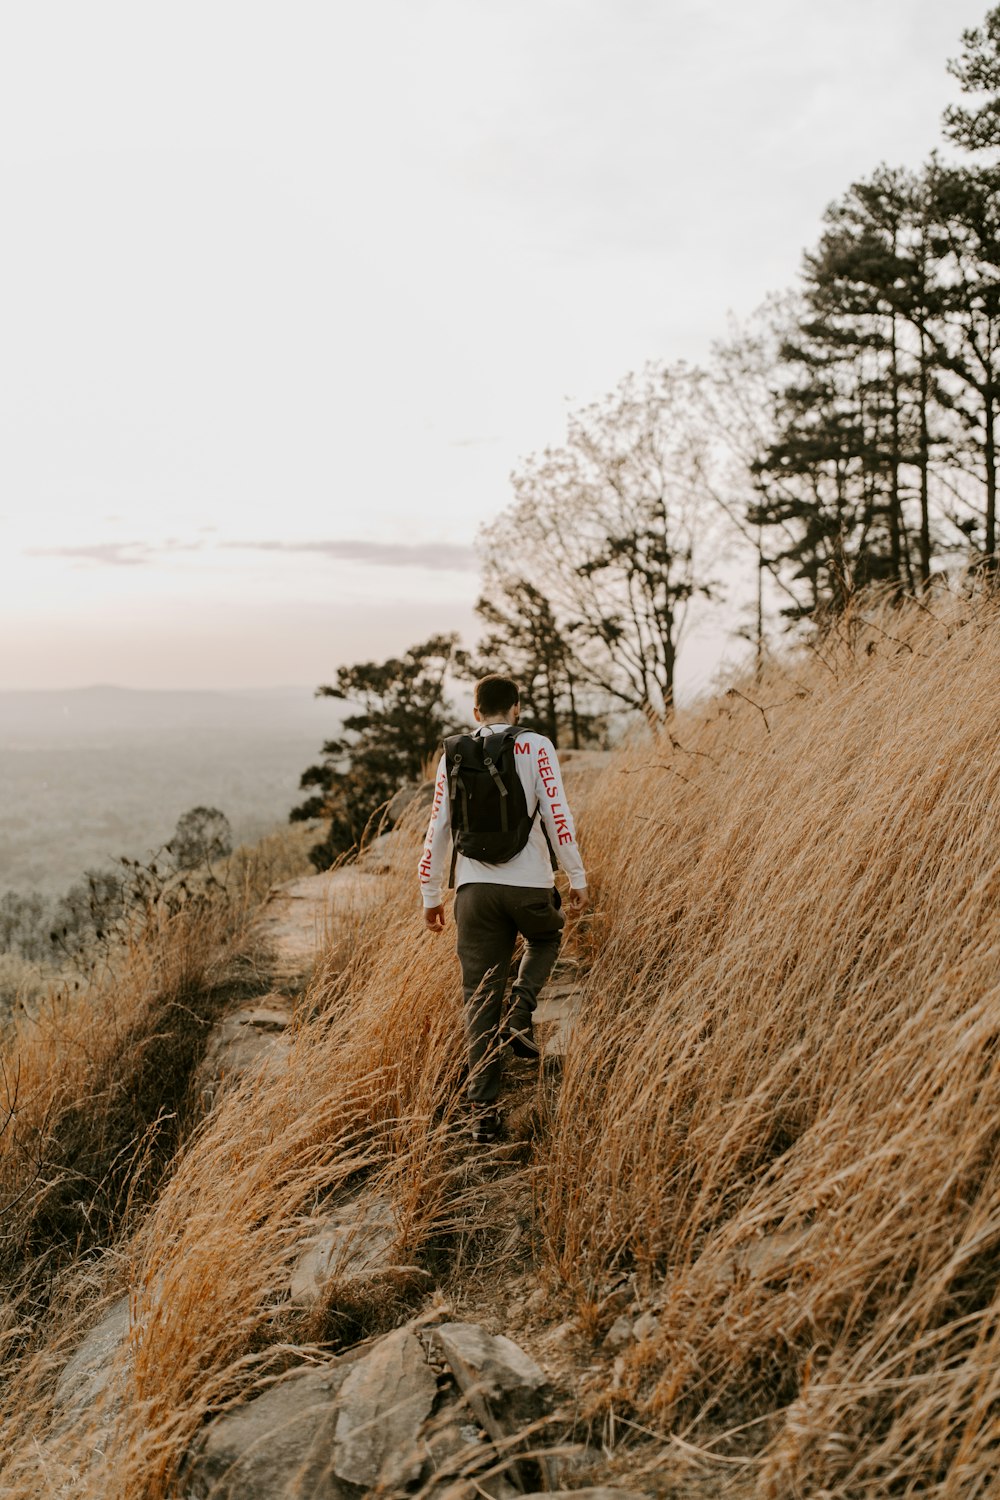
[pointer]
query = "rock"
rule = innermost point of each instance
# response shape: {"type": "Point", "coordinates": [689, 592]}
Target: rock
{"type": "Point", "coordinates": [563, 1335]}
{"type": "Point", "coordinates": [356, 1239]}
{"type": "Point", "coordinates": [646, 1326]}
{"type": "Point", "coordinates": [525, 1121]}
{"type": "Point", "coordinates": [620, 1333]}
{"type": "Point", "coordinates": [277, 1445]}
{"type": "Point", "coordinates": [411, 799]}
{"type": "Point", "coordinates": [376, 857]}
{"type": "Point", "coordinates": [537, 1301]}
{"type": "Point", "coordinates": [618, 1299]}
{"type": "Point", "coordinates": [302, 918]}
{"type": "Point", "coordinates": [458, 1450]}
{"type": "Point", "coordinates": [555, 1016]}
{"type": "Point", "coordinates": [253, 1036]}
{"type": "Point", "coordinates": [505, 1389]}
{"type": "Point", "coordinates": [86, 1375]}
{"type": "Point", "coordinates": [382, 1406]}
{"type": "Point", "coordinates": [766, 1257]}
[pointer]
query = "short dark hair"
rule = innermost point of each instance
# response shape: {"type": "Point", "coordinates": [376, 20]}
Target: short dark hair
{"type": "Point", "coordinates": [496, 694]}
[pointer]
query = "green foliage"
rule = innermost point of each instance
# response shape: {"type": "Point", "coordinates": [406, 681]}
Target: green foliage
{"type": "Point", "coordinates": [978, 72]}
{"type": "Point", "coordinates": [403, 715]}
{"type": "Point", "coordinates": [524, 641]}
{"type": "Point", "coordinates": [25, 925]}
{"type": "Point", "coordinates": [202, 835]}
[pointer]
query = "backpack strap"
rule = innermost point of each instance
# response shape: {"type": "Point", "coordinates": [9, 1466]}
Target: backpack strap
{"type": "Point", "coordinates": [498, 779]}
{"type": "Point", "coordinates": [552, 853]}
{"type": "Point", "coordinates": [453, 760]}
{"type": "Point", "coordinates": [455, 784]}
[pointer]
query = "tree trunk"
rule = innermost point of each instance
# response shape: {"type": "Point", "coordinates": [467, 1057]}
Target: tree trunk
{"type": "Point", "coordinates": [760, 603]}
{"type": "Point", "coordinates": [924, 462]}
{"type": "Point", "coordinates": [990, 455]}
{"type": "Point", "coordinates": [895, 506]}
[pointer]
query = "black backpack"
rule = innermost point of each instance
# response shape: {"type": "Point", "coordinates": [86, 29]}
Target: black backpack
{"type": "Point", "coordinates": [489, 814]}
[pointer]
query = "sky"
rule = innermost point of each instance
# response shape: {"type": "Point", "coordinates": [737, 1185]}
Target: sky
{"type": "Point", "coordinates": [286, 291]}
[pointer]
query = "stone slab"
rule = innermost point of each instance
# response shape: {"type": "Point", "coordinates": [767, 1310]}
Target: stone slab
{"type": "Point", "coordinates": [254, 1036]}
{"type": "Point", "coordinates": [383, 1405]}
{"type": "Point", "coordinates": [86, 1374]}
{"type": "Point", "coordinates": [301, 918]}
{"type": "Point", "coordinates": [280, 1444]}
{"type": "Point", "coordinates": [504, 1387]}
{"type": "Point", "coordinates": [354, 1240]}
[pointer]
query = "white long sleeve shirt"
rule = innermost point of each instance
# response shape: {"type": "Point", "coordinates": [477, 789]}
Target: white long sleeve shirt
{"type": "Point", "coordinates": [538, 767]}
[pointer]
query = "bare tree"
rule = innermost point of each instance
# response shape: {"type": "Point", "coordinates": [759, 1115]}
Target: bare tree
{"type": "Point", "coordinates": [613, 529]}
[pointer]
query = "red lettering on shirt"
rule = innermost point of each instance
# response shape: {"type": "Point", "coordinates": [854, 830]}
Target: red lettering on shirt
{"type": "Point", "coordinates": [521, 747]}
{"type": "Point", "coordinates": [559, 818]}
{"type": "Point", "coordinates": [425, 859]}
{"type": "Point", "coordinates": [562, 824]}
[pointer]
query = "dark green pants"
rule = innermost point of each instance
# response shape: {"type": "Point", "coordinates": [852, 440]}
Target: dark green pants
{"type": "Point", "coordinates": [488, 919]}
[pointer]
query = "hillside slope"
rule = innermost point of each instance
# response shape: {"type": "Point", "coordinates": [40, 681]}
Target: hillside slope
{"type": "Point", "coordinates": [750, 1230]}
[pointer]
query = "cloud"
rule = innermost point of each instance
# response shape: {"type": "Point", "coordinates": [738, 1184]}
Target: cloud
{"type": "Point", "coordinates": [116, 554]}
{"type": "Point", "coordinates": [119, 554]}
{"type": "Point", "coordinates": [437, 556]}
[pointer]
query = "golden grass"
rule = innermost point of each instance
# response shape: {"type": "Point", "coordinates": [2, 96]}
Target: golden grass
{"type": "Point", "coordinates": [367, 1098]}
{"type": "Point", "coordinates": [780, 1112]}
{"type": "Point", "coordinates": [784, 1106]}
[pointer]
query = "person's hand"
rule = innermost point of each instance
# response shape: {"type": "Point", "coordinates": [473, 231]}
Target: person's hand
{"type": "Point", "coordinates": [578, 900]}
{"type": "Point", "coordinates": [434, 918]}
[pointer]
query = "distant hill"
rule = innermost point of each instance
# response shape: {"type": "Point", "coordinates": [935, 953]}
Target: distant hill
{"type": "Point", "coordinates": [45, 716]}
{"type": "Point", "coordinates": [92, 773]}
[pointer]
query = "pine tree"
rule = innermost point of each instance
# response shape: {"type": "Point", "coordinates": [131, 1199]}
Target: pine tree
{"type": "Point", "coordinates": [525, 642]}
{"type": "Point", "coordinates": [404, 713]}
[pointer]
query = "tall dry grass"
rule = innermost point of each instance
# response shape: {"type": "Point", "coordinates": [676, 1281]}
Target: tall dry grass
{"type": "Point", "coordinates": [366, 1104]}
{"type": "Point", "coordinates": [94, 1075]}
{"type": "Point", "coordinates": [784, 1105]}
{"type": "Point", "coordinates": [780, 1112]}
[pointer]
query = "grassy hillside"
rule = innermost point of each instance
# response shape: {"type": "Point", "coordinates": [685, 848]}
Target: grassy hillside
{"type": "Point", "coordinates": [776, 1128]}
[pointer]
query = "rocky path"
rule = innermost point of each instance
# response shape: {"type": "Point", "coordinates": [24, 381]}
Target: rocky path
{"type": "Point", "coordinates": [439, 1408]}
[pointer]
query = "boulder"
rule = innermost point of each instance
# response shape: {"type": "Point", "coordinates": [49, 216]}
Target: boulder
{"type": "Point", "coordinates": [411, 799]}
{"type": "Point", "coordinates": [646, 1326]}
{"type": "Point", "coordinates": [277, 1445]}
{"type": "Point", "coordinates": [86, 1375]}
{"type": "Point", "coordinates": [504, 1387]}
{"type": "Point", "coordinates": [457, 1450]}
{"type": "Point", "coordinates": [376, 857]}
{"type": "Point", "coordinates": [767, 1257]}
{"type": "Point", "coordinates": [555, 1016]}
{"type": "Point", "coordinates": [355, 1240]}
{"type": "Point", "coordinates": [382, 1406]}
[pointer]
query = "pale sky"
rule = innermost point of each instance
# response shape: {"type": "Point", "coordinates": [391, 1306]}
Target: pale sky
{"type": "Point", "coordinates": [288, 289]}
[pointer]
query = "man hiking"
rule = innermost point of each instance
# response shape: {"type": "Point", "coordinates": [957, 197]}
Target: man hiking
{"type": "Point", "coordinates": [499, 794]}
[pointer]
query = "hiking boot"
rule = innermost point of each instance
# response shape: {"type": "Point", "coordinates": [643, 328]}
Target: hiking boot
{"type": "Point", "coordinates": [485, 1124]}
{"type": "Point", "coordinates": [520, 1038]}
